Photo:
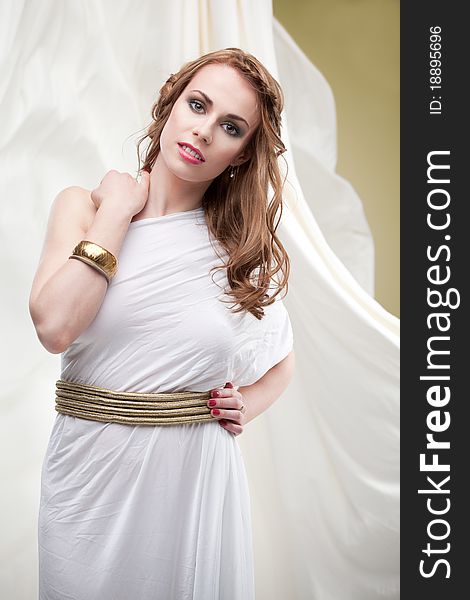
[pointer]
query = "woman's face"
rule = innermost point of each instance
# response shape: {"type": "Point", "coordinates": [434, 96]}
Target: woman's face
{"type": "Point", "coordinates": [216, 114]}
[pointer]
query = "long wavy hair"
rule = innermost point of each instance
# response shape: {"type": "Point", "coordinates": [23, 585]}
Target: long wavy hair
{"type": "Point", "coordinates": [238, 212]}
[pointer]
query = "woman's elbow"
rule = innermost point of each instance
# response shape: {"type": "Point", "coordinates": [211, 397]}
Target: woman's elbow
{"type": "Point", "coordinates": [290, 358]}
{"type": "Point", "coordinates": [52, 340]}
{"type": "Point", "coordinates": [287, 366]}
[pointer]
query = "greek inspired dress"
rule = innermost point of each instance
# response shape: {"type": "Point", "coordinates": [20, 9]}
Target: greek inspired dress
{"type": "Point", "coordinates": [156, 512]}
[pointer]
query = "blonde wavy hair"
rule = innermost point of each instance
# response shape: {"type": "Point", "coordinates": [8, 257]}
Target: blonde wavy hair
{"type": "Point", "coordinates": [237, 211]}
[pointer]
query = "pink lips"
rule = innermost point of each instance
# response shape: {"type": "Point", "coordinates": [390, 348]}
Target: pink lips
{"type": "Point", "coordinates": [192, 159]}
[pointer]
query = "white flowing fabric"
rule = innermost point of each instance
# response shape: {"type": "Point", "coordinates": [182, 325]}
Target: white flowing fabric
{"type": "Point", "coordinates": [323, 461]}
{"type": "Point", "coordinates": [156, 512]}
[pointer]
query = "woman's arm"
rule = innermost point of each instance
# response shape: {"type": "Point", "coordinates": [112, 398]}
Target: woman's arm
{"type": "Point", "coordinates": [67, 294]}
{"type": "Point", "coordinates": [259, 396]}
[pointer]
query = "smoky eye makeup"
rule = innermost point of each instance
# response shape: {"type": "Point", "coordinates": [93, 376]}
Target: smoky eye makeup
{"type": "Point", "coordinates": [234, 130]}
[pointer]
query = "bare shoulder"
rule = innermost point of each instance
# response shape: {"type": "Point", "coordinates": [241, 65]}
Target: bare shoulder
{"type": "Point", "coordinates": [75, 202]}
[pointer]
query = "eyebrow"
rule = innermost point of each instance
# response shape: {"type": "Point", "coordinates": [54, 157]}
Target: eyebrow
{"type": "Point", "coordinates": [230, 116]}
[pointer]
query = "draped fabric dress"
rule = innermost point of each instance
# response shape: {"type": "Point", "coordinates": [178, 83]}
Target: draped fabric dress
{"type": "Point", "coordinates": [156, 512]}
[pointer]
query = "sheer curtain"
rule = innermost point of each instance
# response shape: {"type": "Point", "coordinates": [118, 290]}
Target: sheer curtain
{"type": "Point", "coordinates": [78, 79]}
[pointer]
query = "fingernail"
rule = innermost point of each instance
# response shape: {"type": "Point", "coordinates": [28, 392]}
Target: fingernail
{"type": "Point", "coordinates": [216, 411]}
{"type": "Point", "coordinates": [223, 421]}
{"type": "Point", "coordinates": [215, 393]}
{"type": "Point", "coordinates": [212, 402]}
{"type": "Point", "coordinates": [229, 384]}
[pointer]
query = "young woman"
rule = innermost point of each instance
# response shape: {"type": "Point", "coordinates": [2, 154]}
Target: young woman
{"type": "Point", "coordinates": [173, 337]}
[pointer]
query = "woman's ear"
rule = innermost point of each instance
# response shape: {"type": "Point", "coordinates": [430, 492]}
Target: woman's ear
{"type": "Point", "coordinates": [241, 158]}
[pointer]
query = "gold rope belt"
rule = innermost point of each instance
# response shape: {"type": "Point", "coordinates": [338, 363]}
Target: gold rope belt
{"type": "Point", "coordinates": [132, 408]}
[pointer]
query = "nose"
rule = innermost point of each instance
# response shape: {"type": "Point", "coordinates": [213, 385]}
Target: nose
{"type": "Point", "coordinates": [203, 131]}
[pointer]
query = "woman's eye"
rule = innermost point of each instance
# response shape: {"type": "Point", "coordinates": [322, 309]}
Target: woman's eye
{"type": "Point", "coordinates": [234, 131]}
{"type": "Point", "coordinates": [191, 102]}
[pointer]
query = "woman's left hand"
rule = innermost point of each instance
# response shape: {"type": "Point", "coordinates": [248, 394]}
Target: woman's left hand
{"type": "Point", "coordinates": [229, 408]}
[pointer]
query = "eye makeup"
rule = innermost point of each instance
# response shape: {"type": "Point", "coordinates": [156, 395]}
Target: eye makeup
{"type": "Point", "coordinates": [229, 116]}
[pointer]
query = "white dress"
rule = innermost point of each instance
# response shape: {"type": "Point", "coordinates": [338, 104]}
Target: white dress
{"type": "Point", "coordinates": [156, 512]}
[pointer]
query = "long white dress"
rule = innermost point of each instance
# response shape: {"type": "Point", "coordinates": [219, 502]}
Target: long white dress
{"type": "Point", "coordinates": [156, 512]}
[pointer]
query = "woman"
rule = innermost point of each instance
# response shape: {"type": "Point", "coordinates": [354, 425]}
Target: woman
{"type": "Point", "coordinates": [131, 507]}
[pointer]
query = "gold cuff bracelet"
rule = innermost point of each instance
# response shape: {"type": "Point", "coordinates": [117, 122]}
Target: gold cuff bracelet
{"type": "Point", "coordinates": [97, 257]}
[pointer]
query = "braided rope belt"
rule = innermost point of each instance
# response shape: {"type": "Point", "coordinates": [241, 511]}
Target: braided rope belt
{"type": "Point", "coordinates": [131, 408]}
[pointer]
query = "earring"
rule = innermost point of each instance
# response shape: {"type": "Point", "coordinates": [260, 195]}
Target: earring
{"type": "Point", "coordinates": [232, 172]}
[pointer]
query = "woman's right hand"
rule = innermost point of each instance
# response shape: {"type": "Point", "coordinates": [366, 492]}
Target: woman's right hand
{"type": "Point", "coordinates": [123, 192]}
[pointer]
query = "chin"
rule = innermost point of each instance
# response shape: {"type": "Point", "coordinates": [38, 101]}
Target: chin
{"type": "Point", "coordinates": [182, 173]}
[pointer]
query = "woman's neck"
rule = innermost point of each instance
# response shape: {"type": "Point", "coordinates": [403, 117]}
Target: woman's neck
{"type": "Point", "coordinates": [169, 193]}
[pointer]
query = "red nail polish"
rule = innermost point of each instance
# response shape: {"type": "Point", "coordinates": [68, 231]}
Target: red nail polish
{"type": "Point", "coordinates": [229, 384]}
{"type": "Point", "coordinates": [223, 421]}
{"type": "Point", "coordinates": [212, 402]}
{"type": "Point", "coordinates": [216, 411]}
{"type": "Point", "coordinates": [215, 393]}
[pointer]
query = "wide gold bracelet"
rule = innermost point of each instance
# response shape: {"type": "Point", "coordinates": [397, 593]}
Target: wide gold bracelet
{"type": "Point", "coordinates": [97, 257]}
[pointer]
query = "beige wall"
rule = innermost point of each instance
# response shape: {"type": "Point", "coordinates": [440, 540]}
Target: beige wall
{"type": "Point", "coordinates": [356, 46]}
